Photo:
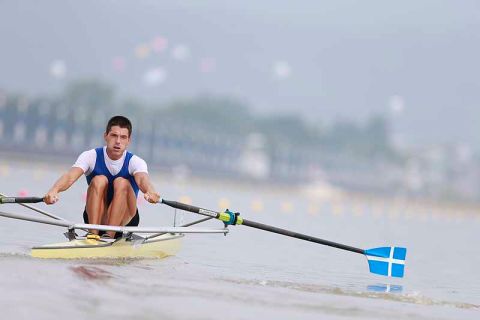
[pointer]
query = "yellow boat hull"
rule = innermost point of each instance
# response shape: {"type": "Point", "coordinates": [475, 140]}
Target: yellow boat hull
{"type": "Point", "coordinates": [159, 247]}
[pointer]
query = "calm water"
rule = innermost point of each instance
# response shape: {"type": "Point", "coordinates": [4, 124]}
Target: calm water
{"type": "Point", "coordinates": [249, 273]}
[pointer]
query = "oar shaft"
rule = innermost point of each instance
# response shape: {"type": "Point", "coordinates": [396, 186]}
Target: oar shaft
{"type": "Point", "coordinates": [301, 236]}
{"type": "Point", "coordinates": [188, 207]}
{"type": "Point", "coordinates": [20, 200]}
{"type": "Point", "coordinates": [252, 224]}
{"type": "Point", "coordinates": [23, 203]}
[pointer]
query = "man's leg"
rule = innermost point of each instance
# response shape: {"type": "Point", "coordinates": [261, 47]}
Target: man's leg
{"type": "Point", "coordinates": [96, 198]}
{"type": "Point", "coordinates": [123, 206]}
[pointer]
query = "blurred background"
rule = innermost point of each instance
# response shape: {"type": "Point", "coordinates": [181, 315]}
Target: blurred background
{"type": "Point", "coordinates": [354, 121]}
{"type": "Point", "coordinates": [356, 97]}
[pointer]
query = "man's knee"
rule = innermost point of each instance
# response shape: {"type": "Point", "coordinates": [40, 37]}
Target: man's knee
{"type": "Point", "coordinates": [99, 182]}
{"type": "Point", "coordinates": [121, 185]}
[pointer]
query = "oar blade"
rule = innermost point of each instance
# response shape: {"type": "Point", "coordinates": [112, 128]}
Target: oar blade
{"type": "Point", "coordinates": [387, 261]}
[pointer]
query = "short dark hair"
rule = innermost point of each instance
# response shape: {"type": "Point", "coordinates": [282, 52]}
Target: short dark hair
{"type": "Point", "coordinates": [120, 121]}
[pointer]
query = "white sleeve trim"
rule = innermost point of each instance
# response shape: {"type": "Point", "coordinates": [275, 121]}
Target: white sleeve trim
{"type": "Point", "coordinates": [86, 161]}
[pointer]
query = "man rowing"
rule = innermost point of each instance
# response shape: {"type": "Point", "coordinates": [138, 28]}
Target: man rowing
{"type": "Point", "coordinates": [114, 177]}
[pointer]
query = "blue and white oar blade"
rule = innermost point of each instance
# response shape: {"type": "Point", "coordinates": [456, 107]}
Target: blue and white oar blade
{"type": "Point", "coordinates": [387, 261]}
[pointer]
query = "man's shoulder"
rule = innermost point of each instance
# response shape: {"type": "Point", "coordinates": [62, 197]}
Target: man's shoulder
{"type": "Point", "coordinates": [86, 160]}
{"type": "Point", "coordinates": [87, 155]}
{"type": "Point", "coordinates": [135, 157]}
{"type": "Point", "coordinates": [137, 164]}
{"type": "Point", "coordinates": [89, 152]}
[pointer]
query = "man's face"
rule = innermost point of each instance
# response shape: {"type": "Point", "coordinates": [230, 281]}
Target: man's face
{"type": "Point", "coordinates": [117, 140]}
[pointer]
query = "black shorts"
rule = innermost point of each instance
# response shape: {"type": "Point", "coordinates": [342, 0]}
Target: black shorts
{"type": "Point", "coordinates": [133, 223]}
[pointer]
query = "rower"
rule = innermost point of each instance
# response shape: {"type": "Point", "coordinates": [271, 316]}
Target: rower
{"type": "Point", "coordinates": [114, 177]}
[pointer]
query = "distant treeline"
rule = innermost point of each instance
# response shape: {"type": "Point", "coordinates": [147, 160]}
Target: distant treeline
{"type": "Point", "coordinates": [219, 136]}
{"type": "Point", "coordinates": [206, 132]}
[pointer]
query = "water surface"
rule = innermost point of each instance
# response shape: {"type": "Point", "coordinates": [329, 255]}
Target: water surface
{"type": "Point", "coordinates": [249, 273]}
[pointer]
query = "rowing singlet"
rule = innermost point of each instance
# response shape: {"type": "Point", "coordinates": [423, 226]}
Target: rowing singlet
{"type": "Point", "coordinates": [101, 169]}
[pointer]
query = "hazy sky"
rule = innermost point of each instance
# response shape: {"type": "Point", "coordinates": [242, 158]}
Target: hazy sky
{"type": "Point", "coordinates": [324, 59]}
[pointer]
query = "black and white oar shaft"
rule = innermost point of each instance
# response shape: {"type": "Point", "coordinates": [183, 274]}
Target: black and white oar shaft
{"type": "Point", "coordinates": [225, 216]}
{"type": "Point", "coordinates": [301, 236]}
{"type": "Point", "coordinates": [23, 201]}
{"type": "Point", "coordinates": [190, 208]}
{"type": "Point", "coordinates": [20, 200]}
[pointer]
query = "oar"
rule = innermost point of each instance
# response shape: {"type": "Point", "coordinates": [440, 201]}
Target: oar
{"type": "Point", "coordinates": [387, 261]}
{"type": "Point", "coordinates": [4, 199]}
{"type": "Point", "coordinates": [23, 202]}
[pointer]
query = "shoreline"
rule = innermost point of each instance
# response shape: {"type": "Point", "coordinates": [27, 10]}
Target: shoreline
{"type": "Point", "coordinates": [316, 193]}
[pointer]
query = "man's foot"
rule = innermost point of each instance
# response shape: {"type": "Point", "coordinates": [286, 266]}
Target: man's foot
{"type": "Point", "coordinates": [106, 236]}
{"type": "Point", "coordinates": [110, 234]}
{"type": "Point", "coordinates": [93, 236]}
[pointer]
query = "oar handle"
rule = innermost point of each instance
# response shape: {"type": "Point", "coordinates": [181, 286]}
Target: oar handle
{"type": "Point", "coordinates": [20, 200]}
{"type": "Point", "coordinates": [181, 206]}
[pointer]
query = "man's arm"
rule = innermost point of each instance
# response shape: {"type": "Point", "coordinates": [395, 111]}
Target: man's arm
{"type": "Point", "coordinates": [62, 184]}
{"type": "Point", "coordinates": [149, 192]}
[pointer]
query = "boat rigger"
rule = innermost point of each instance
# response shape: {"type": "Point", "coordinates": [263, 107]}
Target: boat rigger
{"type": "Point", "coordinates": [135, 242]}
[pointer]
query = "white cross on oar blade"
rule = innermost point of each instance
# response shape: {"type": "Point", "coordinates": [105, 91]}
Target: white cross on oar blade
{"type": "Point", "coordinates": [379, 255]}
